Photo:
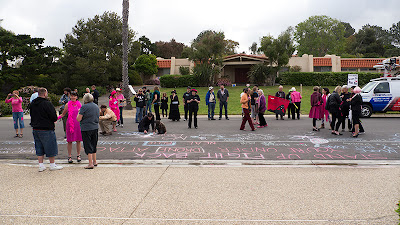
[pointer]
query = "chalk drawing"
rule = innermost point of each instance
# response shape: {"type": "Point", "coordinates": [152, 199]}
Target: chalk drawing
{"type": "Point", "coordinates": [159, 143]}
{"type": "Point", "coordinates": [181, 149]}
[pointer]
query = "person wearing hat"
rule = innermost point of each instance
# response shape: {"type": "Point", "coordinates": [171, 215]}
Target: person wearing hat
{"type": "Point", "coordinates": [174, 107]}
{"type": "Point", "coordinates": [290, 109]}
{"type": "Point", "coordinates": [113, 103]}
{"type": "Point", "coordinates": [296, 99]}
{"type": "Point", "coordinates": [210, 102]}
{"type": "Point", "coordinates": [186, 96]}
{"type": "Point", "coordinates": [193, 105]}
{"type": "Point", "coordinates": [121, 104]}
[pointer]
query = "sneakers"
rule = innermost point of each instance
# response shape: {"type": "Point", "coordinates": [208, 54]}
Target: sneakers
{"type": "Point", "coordinates": [56, 167]}
{"type": "Point", "coordinates": [42, 168]}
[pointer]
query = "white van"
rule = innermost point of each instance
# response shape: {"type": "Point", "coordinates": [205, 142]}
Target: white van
{"type": "Point", "coordinates": [381, 95]}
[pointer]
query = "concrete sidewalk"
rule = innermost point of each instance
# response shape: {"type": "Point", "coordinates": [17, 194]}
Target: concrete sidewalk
{"type": "Point", "coordinates": [173, 194]}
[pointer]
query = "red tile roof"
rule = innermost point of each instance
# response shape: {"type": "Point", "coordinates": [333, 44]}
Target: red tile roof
{"type": "Point", "coordinates": [250, 56]}
{"type": "Point", "coordinates": [164, 63]}
{"type": "Point", "coordinates": [322, 61]}
{"type": "Point", "coordinates": [360, 63]}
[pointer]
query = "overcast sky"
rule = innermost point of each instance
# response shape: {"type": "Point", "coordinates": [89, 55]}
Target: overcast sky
{"type": "Point", "coordinates": [242, 21]}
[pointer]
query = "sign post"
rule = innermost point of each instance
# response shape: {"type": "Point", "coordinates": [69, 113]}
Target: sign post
{"type": "Point", "coordinates": [352, 80]}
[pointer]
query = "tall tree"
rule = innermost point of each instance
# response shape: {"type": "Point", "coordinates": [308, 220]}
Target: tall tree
{"type": "Point", "coordinates": [230, 47]}
{"type": "Point", "coordinates": [278, 50]}
{"type": "Point", "coordinates": [146, 65]}
{"type": "Point", "coordinates": [320, 35]}
{"type": "Point", "coordinates": [253, 48]}
{"type": "Point", "coordinates": [93, 51]}
{"type": "Point", "coordinates": [146, 46]}
{"type": "Point", "coordinates": [395, 32]}
{"type": "Point", "coordinates": [168, 49]}
{"type": "Point", "coordinates": [125, 46]}
{"type": "Point", "coordinates": [367, 42]}
{"type": "Point", "coordinates": [349, 30]}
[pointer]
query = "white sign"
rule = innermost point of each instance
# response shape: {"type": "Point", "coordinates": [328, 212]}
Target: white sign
{"type": "Point", "coordinates": [132, 90]}
{"type": "Point", "coordinates": [352, 80]}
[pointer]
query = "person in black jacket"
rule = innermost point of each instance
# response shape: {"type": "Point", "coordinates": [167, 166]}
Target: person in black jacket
{"type": "Point", "coordinates": [356, 104]}
{"type": "Point", "coordinates": [193, 103]}
{"type": "Point", "coordinates": [333, 103]}
{"type": "Point", "coordinates": [144, 125]}
{"type": "Point", "coordinates": [43, 117]}
{"type": "Point", "coordinates": [140, 100]}
{"type": "Point", "coordinates": [291, 108]}
{"type": "Point", "coordinates": [345, 107]}
{"type": "Point", "coordinates": [280, 94]}
{"type": "Point", "coordinates": [95, 93]}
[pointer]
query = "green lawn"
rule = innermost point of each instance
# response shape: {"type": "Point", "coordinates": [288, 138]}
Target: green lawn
{"type": "Point", "coordinates": [234, 106]}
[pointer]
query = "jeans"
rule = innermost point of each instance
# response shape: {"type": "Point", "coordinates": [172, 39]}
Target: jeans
{"type": "Point", "coordinates": [18, 118]}
{"type": "Point", "coordinates": [139, 114]}
{"type": "Point", "coordinates": [223, 104]}
{"type": "Point", "coordinates": [211, 108]}
{"type": "Point", "coordinates": [148, 108]}
{"type": "Point", "coordinates": [45, 142]}
{"type": "Point", "coordinates": [157, 111]}
{"type": "Point", "coordinates": [121, 120]}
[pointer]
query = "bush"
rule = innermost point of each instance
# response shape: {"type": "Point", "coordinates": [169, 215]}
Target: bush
{"type": "Point", "coordinates": [223, 81]}
{"type": "Point", "coordinates": [184, 70]}
{"type": "Point", "coordinates": [5, 109]}
{"type": "Point", "coordinates": [204, 72]}
{"type": "Point", "coordinates": [325, 78]}
{"type": "Point", "coordinates": [172, 81]}
{"type": "Point", "coordinates": [135, 78]}
{"type": "Point", "coordinates": [54, 99]}
{"type": "Point", "coordinates": [259, 73]}
{"type": "Point", "coordinates": [155, 81]}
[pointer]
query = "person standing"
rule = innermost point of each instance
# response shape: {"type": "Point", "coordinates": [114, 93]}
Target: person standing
{"type": "Point", "coordinates": [223, 96]}
{"type": "Point", "coordinates": [107, 118]}
{"type": "Point", "coordinates": [88, 118]}
{"type": "Point", "coordinates": [149, 100]}
{"type": "Point", "coordinates": [140, 104]}
{"type": "Point", "coordinates": [345, 107]}
{"type": "Point", "coordinates": [164, 105]}
{"type": "Point", "coordinates": [262, 107]}
{"type": "Point", "coordinates": [316, 108]}
{"type": "Point", "coordinates": [17, 112]}
{"type": "Point", "coordinates": [186, 96]}
{"type": "Point", "coordinates": [63, 101]}
{"type": "Point", "coordinates": [334, 108]}
{"type": "Point", "coordinates": [113, 103]}
{"type": "Point", "coordinates": [325, 113]}
{"type": "Point", "coordinates": [296, 98]}
{"type": "Point", "coordinates": [280, 94]}
{"type": "Point", "coordinates": [156, 102]}
{"type": "Point", "coordinates": [291, 105]}
{"type": "Point", "coordinates": [245, 100]}
{"type": "Point", "coordinates": [34, 95]}
{"type": "Point", "coordinates": [43, 117]}
{"type": "Point", "coordinates": [174, 107]}
{"type": "Point", "coordinates": [193, 102]}
{"type": "Point", "coordinates": [210, 102]}
{"type": "Point", "coordinates": [95, 93]}
{"type": "Point", "coordinates": [121, 104]}
{"type": "Point", "coordinates": [356, 104]}
{"type": "Point", "coordinates": [73, 128]}
{"type": "Point", "coordinates": [254, 100]}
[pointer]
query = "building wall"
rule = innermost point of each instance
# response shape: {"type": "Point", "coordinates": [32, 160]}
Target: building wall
{"type": "Point", "coordinates": [305, 62]}
{"type": "Point", "coordinates": [176, 63]}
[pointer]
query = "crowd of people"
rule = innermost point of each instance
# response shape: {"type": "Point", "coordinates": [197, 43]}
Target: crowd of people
{"type": "Point", "coordinates": [81, 122]}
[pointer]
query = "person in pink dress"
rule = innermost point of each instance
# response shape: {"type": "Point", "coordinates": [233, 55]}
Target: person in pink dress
{"type": "Point", "coordinates": [114, 106]}
{"type": "Point", "coordinates": [325, 113]}
{"type": "Point", "coordinates": [121, 105]}
{"type": "Point", "coordinates": [73, 128]}
{"type": "Point", "coordinates": [17, 112]}
{"type": "Point", "coordinates": [316, 105]}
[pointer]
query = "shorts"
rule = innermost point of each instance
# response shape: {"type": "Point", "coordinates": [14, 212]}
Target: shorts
{"type": "Point", "coordinates": [90, 138]}
{"type": "Point", "coordinates": [45, 143]}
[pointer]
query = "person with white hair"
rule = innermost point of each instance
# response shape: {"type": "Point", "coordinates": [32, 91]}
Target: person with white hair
{"type": "Point", "coordinates": [345, 107]}
{"type": "Point", "coordinates": [262, 107]}
{"type": "Point", "coordinates": [356, 104]}
{"type": "Point", "coordinates": [280, 94]}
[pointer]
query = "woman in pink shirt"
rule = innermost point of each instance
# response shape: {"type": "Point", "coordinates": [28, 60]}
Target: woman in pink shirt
{"type": "Point", "coordinates": [114, 106]}
{"type": "Point", "coordinates": [121, 103]}
{"type": "Point", "coordinates": [17, 112]}
{"type": "Point", "coordinates": [296, 99]}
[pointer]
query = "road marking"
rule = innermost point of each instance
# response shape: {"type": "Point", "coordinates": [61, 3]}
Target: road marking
{"type": "Point", "coordinates": [190, 219]}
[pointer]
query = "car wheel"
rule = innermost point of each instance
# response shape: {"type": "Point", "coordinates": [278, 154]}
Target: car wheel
{"type": "Point", "coordinates": [366, 111]}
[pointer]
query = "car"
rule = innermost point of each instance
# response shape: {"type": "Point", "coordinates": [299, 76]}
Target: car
{"type": "Point", "coordinates": [381, 95]}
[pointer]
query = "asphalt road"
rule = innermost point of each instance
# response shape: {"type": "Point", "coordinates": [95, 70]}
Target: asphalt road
{"type": "Point", "coordinates": [222, 140]}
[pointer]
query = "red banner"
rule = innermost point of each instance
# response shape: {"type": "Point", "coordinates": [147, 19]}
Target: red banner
{"type": "Point", "coordinates": [277, 105]}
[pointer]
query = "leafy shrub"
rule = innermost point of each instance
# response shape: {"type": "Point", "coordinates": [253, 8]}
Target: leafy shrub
{"type": "Point", "coordinates": [223, 81]}
{"type": "Point", "coordinates": [5, 109]}
{"type": "Point", "coordinates": [155, 81]}
{"type": "Point", "coordinates": [204, 72]}
{"type": "Point", "coordinates": [398, 210]}
{"type": "Point", "coordinates": [259, 73]}
{"type": "Point", "coordinates": [172, 81]}
{"type": "Point", "coordinates": [184, 70]}
{"type": "Point", "coordinates": [54, 99]}
{"type": "Point", "coordinates": [325, 78]}
{"type": "Point", "coordinates": [135, 78]}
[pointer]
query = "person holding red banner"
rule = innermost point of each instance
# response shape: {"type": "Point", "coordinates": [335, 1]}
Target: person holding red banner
{"type": "Point", "coordinates": [245, 101]}
{"type": "Point", "coordinates": [316, 107]}
{"type": "Point", "coordinates": [261, 109]}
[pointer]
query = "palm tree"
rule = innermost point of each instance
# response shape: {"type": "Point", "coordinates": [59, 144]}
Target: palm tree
{"type": "Point", "coordinates": [125, 32]}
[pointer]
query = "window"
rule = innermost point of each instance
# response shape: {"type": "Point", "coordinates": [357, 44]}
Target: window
{"type": "Point", "coordinates": [382, 88]}
{"type": "Point", "coordinates": [348, 69]}
{"type": "Point", "coordinates": [322, 68]}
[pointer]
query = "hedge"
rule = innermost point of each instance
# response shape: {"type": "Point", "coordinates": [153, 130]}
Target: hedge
{"type": "Point", "coordinates": [324, 78]}
{"type": "Point", "coordinates": [172, 81]}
